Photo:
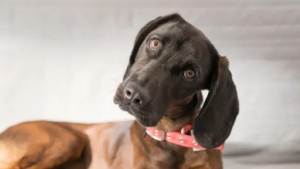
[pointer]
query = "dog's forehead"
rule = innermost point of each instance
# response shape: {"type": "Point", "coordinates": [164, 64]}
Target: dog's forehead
{"type": "Point", "coordinates": [184, 38]}
{"type": "Point", "coordinates": [168, 29]}
{"type": "Point", "coordinates": [179, 30]}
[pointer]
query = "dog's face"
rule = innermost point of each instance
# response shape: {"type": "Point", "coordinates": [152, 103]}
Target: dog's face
{"type": "Point", "coordinates": [170, 63]}
{"type": "Point", "coordinates": [170, 67]}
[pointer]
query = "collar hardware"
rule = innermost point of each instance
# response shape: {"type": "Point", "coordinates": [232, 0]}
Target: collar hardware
{"type": "Point", "coordinates": [178, 137]}
{"type": "Point", "coordinates": [159, 135]}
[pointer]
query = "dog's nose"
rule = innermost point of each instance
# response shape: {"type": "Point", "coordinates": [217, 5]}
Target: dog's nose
{"type": "Point", "coordinates": [135, 95]}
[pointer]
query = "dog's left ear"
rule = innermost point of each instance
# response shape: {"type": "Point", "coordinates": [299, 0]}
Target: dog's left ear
{"type": "Point", "coordinates": [215, 121]}
{"type": "Point", "coordinates": [143, 33]}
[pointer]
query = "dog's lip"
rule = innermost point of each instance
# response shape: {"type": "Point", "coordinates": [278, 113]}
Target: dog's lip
{"type": "Point", "coordinates": [123, 107]}
{"type": "Point", "coordinates": [136, 113]}
{"type": "Point", "coordinates": [145, 121]}
{"type": "Point", "coordinates": [130, 109]}
{"type": "Point", "coordinates": [116, 99]}
{"type": "Point", "coordinates": [139, 115]}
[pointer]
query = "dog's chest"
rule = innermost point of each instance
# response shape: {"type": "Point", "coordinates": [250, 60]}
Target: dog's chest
{"type": "Point", "coordinates": [116, 149]}
{"type": "Point", "coordinates": [157, 158]}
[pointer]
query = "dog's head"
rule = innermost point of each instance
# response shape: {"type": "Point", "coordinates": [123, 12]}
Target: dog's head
{"type": "Point", "coordinates": [171, 62]}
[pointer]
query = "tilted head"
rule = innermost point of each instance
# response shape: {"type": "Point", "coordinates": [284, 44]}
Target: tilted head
{"type": "Point", "coordinates": [171, 62]}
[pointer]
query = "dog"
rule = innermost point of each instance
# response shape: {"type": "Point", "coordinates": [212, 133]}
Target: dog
{"type": "Point", "coordinates": [170, 64]}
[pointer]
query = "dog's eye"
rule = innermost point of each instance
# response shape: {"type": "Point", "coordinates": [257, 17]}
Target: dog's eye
{"type": "Point", "coordinates": [154, 44]}
{"type": "Point", "coordinates": [190, 73]}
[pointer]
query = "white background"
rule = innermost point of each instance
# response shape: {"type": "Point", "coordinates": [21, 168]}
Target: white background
{"type": "Point", "coordinates": [63, 59]}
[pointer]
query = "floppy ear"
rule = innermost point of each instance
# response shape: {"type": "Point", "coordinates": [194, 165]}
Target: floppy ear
{"type": "Point", "coordinates": [150, 26]}
{"type": "Point", "coordinates": [215, 121]}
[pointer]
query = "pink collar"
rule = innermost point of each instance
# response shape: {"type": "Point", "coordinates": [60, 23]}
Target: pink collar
{"type": "Point", "coordinates": [178, 138]}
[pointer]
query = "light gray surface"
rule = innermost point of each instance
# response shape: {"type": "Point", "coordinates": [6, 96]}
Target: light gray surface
{"type": "Point", "coordinates": [249, 156]}
{"type": "Point", "coordinates": [63, 59]}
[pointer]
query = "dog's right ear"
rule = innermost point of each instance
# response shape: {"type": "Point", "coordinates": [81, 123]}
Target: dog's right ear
{"type": "Point", "coordinates": [143, 33]}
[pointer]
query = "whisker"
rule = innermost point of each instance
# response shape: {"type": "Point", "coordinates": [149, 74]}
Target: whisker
{"type": "Point", "coordinates": [115, 83]}
{"type": "Point", "coordinates": [115, 79]}
{"type": "Point", "coordinates": [114, 90]}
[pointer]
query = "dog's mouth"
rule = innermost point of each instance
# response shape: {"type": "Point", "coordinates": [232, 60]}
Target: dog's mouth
{"type": "Point", "coordinates": [122, 105]}
{"type": "Point", "coordinates": [143, 117]}
{"type": "Point", "coordinates": [124, 108]}
{"type": "Point", "coordinates": [146, 118]}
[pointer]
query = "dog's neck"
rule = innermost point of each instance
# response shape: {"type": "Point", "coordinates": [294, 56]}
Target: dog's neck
{"type": "Point", "coordinates": [170, 124]}
{"type": "Point", "coordinates": [175, 118]}
{"type": "Point", "coordinates": [180, 114]}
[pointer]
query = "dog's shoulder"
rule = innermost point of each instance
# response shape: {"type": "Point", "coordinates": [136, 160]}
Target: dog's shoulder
{"type": "Point", "coordinates": [108, 141]}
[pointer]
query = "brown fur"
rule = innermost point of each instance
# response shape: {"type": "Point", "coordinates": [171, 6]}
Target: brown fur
{"type": "Point", "coordinates": [43, 144]}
